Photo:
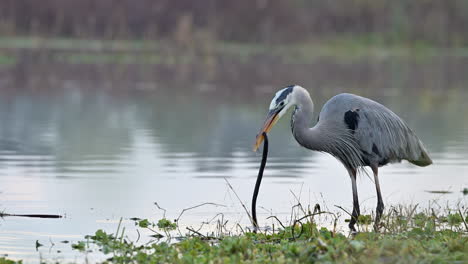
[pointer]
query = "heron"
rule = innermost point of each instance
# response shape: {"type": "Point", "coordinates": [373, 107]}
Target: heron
{"type": "Point", "coordinates": [357, 131]}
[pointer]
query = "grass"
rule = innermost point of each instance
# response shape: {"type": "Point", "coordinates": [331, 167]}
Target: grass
{"type": "Point", "coordinates": [58, 43]}
{"type": "Point", "coordinates": [407, 235]}
{"type": "Point", "coordinates": [94, 51]}
{"type": "Point", "coordinates": [6, 60]}
{"type": "Point", "coordinates": [4, 260]}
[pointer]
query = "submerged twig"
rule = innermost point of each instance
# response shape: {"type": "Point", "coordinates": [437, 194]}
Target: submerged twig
{"type": "Point", "coordinates": [240, 201]}
{"type": "Point", "coordinates": [200, 234]}
{"type": "Point", "coordinates": [51, 245]}
{"type": "Point", "coordinates": [190, 208]}
{"type": "Point", "coordinates": [196, 206]}
{"type": "Point", "coordinates": [292, 212]}
{"type": "Point", "coordinates": [195, 232]}
{"type": "Point", "coordinates": [209, 221]}
{"type": "Point", "coordinates": [314, 214]}
{"type": "Point", "coordinates": [277, 220]}
{"type": "Point", "coordinates": [242, 230]}
{"type": "Point", "coordinates": [138, 238]}
{"type": "Point", "coordinates": [33, 215]}
{"type": "Point", "coordinates": [463, 219]}
{"type": "Point", "coordinates": [344, 210]}
{"type": "Point", "coordinates": [299, 204]}
{"type": "Point", "coordinates": [160, 208]}
{"type": "Point", "coordinates": [156, 233]}
{"type": "Point", "coordinates": [294, 226]}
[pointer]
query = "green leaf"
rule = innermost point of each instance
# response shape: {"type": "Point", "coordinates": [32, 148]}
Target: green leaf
{"type": "Point", "coordinates": [144, 223]}
{"type": "Point", "coordinates": [357, 245]}
{"type": "Point", "coordinates": [454, 219]}
{"type": "Point", "coordinates": [81, 246]}
{"type": "Point", "coordinates": [9, 261]}
{"type": "Point", "coordinates": [166, 225]}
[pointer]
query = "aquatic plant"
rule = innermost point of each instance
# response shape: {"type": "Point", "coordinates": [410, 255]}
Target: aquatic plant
{"type": "Point", "coordinates": [408, 235]}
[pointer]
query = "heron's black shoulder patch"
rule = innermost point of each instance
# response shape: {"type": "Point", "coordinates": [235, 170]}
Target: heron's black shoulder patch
{"type": "Point", "coordinates": [351, 118]}
{"type": "Point", "coordinates": [284, 94]}
{"type": "Point", "coordinates": [375, 149]}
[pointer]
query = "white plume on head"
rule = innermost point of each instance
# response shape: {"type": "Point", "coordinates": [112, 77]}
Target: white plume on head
{"type": "Point", "coordinates": [273, 101]}
{"type": "Point", "coordinates": [283, 95]}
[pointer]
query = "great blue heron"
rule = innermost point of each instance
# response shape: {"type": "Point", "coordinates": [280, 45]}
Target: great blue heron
{"type": "Point", "coordinates": [356, 130]}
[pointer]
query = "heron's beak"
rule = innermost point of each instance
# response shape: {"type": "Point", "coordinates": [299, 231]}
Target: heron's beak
{"type": "Point", "coordinates": [272, 118]}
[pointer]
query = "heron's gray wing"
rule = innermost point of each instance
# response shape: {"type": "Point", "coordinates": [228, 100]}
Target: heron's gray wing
{"type": "Point", "coordinates": [384, 137]}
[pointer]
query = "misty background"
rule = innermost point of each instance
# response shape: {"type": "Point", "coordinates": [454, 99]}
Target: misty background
{"type": "Point", "coordinates": [108, 106]}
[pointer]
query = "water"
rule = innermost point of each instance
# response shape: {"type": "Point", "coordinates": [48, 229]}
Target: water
{"type": "Point", "coordinates": [100, 143]}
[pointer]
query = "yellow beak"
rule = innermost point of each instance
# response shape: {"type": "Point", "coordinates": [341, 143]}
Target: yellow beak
{"type": "Point", "coordinates": [270, 121]}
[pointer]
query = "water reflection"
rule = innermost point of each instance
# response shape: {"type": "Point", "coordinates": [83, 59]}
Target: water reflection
{"type": "Point", "coordinates": [94, 153]}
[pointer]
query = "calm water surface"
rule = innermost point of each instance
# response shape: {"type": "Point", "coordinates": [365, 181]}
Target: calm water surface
{"type": "Point", "coordinates": [96, 154]}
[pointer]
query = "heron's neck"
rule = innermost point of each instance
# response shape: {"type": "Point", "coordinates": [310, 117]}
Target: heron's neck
{"type": "Point", "coordinates": [301, 122]}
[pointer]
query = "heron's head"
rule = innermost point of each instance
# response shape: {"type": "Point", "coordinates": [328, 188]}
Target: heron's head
{"type": "Point", "coordinates": [280, 104]}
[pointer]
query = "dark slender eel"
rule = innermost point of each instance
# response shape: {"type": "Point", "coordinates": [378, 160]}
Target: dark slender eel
{"type": "Point", "coordinates": [259, 180]}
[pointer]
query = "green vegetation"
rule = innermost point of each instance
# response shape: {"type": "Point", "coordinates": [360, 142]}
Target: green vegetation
{"type": "Point", "coordinates": [440, 23]}
{"type": "Point", "coordinates": [57, 43]}
{"type": "Point", "coordinates": [7, 59]}
{"type": "Point", "coordinates": [404, 237]}
{"type": "Point", "coordinates": [8, 261]}
{"type": "Point", "coordinates": [94, 51]}
{"type": "Point", "coordinates": [421, 238]}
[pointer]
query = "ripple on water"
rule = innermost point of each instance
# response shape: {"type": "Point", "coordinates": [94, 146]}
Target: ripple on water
{"type": "Point", "coordinates": [162, 150]}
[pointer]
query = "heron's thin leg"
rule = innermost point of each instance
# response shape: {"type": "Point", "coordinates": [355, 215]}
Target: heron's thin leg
{"type": "Point", "coordinates": [380, 204]}
{"type": "Point", "coordinates": [355, 214]}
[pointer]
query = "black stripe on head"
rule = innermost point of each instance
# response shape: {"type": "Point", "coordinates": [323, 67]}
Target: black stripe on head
{"type": "Point", "coordinates": [284, 94]}
{"type": "Point", "coordinates": [351, 119]}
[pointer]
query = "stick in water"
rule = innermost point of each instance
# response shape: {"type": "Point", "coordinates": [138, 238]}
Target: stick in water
{"type": "Point", "coordinates": [259, 180]}
{"type": "Point", "coordinates": [33, 215]}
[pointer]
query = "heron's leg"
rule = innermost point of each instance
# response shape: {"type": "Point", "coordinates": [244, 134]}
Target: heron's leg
{"type": "Point", "coordinates": [380, 204]}
{"type": "Point", "coordinates": [355, 214]}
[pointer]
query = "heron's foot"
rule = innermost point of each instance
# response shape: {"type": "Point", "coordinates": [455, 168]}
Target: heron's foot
{"type": "Point", "coordinates": [351, 227]}
{"type": "Point", "coordinates": [354, 220]}
{"type": "Point", "coordinates": [378, 216]}
{"type": "Point", "coordinates": [377, 226]}
{"type": "Point", "coordinates": [352, 231]}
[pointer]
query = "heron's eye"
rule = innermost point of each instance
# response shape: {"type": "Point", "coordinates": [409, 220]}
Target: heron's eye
{"type": "Point", "coordinates": [281, 104]}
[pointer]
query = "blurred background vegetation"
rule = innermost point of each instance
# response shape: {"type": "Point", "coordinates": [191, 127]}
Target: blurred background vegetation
{"type": "Point", "coordinates": [228, 47]}
{"type": "Point", "coordinates": [425, 22]}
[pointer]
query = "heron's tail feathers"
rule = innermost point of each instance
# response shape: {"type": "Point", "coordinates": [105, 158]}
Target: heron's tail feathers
{"type": "Point", "coordinates": [423, 160]}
